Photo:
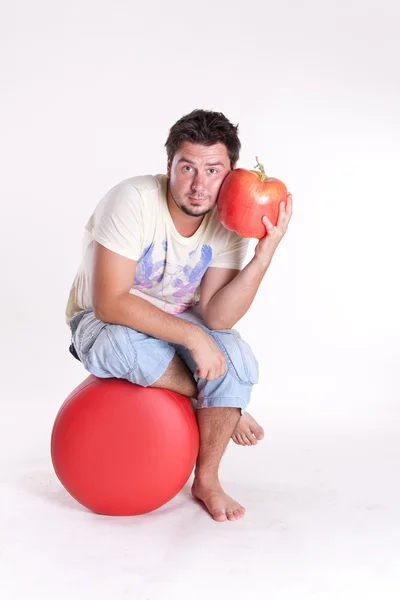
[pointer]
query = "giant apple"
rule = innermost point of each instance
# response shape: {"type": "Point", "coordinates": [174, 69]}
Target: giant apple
{"type": "Point", "coordinates": [245, 197]}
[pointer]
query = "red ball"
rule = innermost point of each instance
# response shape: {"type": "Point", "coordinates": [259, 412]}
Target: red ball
{"type": "Point", "coordinates": [122, 449]}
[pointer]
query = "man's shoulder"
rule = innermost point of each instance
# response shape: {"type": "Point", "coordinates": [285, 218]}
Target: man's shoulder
{"type": "Point", "coordinates": [143, 183]}
{"type": "Point", "coordinates": [137, 191]}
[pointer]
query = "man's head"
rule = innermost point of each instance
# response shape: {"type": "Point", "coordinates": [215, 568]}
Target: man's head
{"type": "Point", "coordinates": [202, 148]}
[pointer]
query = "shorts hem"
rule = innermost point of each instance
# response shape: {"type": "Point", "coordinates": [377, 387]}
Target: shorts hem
{"type": "Point", "coordinates": [222, 402]}
{"type": "Point", "coordinates": [159, 370]}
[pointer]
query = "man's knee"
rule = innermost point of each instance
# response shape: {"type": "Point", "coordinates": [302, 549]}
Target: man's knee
{"type": "Point", "coordinates": [121, 352]}
{"type": "Point", "coordinates": [111, 355]}
{"type": "Point", "coordinates": [240, 360]}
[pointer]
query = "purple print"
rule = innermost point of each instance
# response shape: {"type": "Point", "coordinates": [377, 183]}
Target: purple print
{"type": "Point", "coordinates": [148, 272]}
{"type": "Point", "coordinates": [193, 275]}
{"type": "Point", "coordinates": [184, 279]}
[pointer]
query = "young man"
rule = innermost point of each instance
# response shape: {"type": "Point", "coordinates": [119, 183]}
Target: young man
{"type": "Point", "coordinates": [161, 286]}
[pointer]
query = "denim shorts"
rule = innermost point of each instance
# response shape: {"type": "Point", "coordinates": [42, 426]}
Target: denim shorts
{"type": "Point", "coordinates": [109, 350]}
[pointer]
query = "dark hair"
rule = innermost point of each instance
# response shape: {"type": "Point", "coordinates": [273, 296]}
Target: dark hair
{"type": "Point", "coordinates": [204, 127]}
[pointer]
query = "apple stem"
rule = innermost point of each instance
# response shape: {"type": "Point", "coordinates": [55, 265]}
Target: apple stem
{"type": "Point", "coordinates": [261, 168]}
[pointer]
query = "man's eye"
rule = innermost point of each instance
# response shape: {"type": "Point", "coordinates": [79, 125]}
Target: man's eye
{"type": "Point", "coordinates": [214, 171]}
{"type": "Point", "coordinates": [186, 168]}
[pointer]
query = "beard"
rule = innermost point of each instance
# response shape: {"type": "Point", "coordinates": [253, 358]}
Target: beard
{"type": "Point", "coordinates": [192, 212]}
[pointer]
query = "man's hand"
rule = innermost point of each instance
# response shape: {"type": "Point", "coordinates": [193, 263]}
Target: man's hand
{"type": "Point", "coordinates": [268, 244]}
{"type": "Point", "coordinates": [209, 359]}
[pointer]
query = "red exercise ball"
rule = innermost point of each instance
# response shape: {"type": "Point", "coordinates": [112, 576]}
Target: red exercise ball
{"type": "Point", "coordinates": [122, 449]}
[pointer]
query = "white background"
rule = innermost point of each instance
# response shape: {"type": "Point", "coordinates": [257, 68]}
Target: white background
{"type": "Point", "coordinates": [89, 90]}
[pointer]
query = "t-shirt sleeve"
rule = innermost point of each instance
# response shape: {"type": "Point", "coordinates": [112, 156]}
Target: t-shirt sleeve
{"type": "Point", "coordinates": [231, 254]}
{"type": "Point", "coordinates": [118, 221]}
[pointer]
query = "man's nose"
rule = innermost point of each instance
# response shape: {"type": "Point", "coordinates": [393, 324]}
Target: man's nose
{"type": "Point", "coordinates": [199, 182]}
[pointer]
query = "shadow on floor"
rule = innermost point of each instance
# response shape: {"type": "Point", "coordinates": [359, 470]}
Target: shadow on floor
{"type": "Point", "coordinates": [44, 484]}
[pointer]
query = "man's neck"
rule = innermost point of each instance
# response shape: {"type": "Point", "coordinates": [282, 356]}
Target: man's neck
{"type": "Point", "coordinates": [185, 225]}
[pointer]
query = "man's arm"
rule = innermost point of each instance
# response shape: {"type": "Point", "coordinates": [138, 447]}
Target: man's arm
{"type": "Point", "coordinates": [226, 294]}
{"type": "Point", "coordinates": [113, 275]}
{"type": "Point", "coordinates": [222, 303]}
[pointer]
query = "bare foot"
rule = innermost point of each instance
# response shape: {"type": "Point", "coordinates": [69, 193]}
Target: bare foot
{"type": "Point", "coordinates": [220, 506]}
{"type": "Point", "coordinates": [248, 431]}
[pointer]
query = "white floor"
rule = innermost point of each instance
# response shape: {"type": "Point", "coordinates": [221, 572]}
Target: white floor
{"type": "Point", "coordinates": [322, 495]}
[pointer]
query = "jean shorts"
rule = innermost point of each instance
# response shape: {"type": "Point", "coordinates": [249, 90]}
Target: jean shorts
{"type": "Point", "coordinates": [110, 350]}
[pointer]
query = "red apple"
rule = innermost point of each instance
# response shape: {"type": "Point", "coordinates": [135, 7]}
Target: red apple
{"type": "Point", "coordinates": [245, 197]}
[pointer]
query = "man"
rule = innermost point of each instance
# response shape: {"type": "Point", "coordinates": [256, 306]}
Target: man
{"type": "Point", "coordinates": [161, 286]}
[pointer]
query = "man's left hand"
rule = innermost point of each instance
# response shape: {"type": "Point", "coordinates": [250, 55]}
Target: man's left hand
{"type": "Point", "coordinates": [269, 243]}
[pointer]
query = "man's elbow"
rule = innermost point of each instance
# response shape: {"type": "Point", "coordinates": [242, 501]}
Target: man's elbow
{"type": "Point", "coordinates": [100, 313]}
{"type": "Point", "coordinates": [103, 310]}
{"type": "Point", "coordinates": [214, 323]}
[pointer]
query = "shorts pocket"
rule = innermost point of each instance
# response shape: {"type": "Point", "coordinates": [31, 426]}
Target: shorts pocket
{"type": "Point", "coordinates": [87, 333]}
{"type": "Point", "coordinates": [111, 355]}
{"type": "Point", "coordinates": [240, 359]}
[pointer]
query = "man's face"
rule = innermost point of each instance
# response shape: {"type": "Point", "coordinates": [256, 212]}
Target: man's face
{"type": "Point", "coordinates": [196, 173]}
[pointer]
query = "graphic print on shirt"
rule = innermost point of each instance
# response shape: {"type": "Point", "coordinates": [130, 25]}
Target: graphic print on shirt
{"type": "Point", "coordinates": [148, 272]}
{"type": "Point", "coordinates": [178, 281]}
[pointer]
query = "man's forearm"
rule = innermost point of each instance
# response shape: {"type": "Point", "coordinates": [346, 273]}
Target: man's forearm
{"type": "Point", "coordinates": [132, 311]}
{"type": "Point", "coordinates": [232, 302]}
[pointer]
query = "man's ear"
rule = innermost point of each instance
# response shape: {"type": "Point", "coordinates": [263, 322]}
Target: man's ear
{"type": "Point", "coordinates": [234, 166]}
{"type": "Point", "coordinates": [168, 168]}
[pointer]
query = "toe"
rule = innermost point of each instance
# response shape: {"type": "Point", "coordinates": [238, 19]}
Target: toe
{"type": "Point", "coordinates": [243, 440]}
{"type": "Point", "coordinates": [259, 432]}
{"type": "Point", "coordinates": [219, 515]}
{"type": "Point", "coordinates": [253, 440]}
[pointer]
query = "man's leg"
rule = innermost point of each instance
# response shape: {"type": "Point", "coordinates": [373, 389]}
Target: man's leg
{"type": "Point", "coordinates": [216, 426]}
{"type": "Point", "coordinates": [108, 350]}
{"type": "Point", "coordinates": [177, 378]}
{"type": "Point", "coordinates": [247, 432]}
{"type": "Point", "coordinates": [220, 404]}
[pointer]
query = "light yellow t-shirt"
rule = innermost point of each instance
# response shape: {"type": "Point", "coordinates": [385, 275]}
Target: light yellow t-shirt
{"type": "Point", "coordinates": [133, 220]}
